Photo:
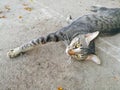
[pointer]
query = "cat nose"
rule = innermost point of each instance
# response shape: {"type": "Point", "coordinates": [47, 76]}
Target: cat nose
{"type": "Point", "coordinates": [71, 52]}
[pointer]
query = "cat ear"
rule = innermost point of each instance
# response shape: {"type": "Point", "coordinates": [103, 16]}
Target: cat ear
{"type": "Point", "coordinates": [94, 58]}
{"type": "Point", "coordinates": [90, 36]}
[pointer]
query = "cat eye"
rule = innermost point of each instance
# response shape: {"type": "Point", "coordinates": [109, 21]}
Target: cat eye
{"type": "Point", "coordinates": [76, 46]}
{"type": "Point", "coordinates": [78, 55]}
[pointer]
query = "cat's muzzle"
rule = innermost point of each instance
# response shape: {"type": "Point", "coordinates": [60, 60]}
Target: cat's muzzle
{"type": "Point", "coordinates": [71, 52]}
{"type": "Point", "coordinates": [76, 55]}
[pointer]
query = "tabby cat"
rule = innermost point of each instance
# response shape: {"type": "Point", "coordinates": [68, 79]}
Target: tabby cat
{"type": "Point", "coordinates": [80, 34]}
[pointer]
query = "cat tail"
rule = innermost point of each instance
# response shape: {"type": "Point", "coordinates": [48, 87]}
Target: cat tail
{"type": "Point", "coordinates": [52, 37]}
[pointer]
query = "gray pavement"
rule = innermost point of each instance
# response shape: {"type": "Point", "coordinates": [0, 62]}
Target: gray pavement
{"type": "Point", "coordinates": [48, 67]}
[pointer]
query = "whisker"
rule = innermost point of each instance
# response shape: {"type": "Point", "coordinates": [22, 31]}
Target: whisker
{"type": "Point", "coordinates": [70, 61]}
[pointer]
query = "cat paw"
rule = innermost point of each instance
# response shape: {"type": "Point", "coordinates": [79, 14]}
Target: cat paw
{"type": "Point", "coordinates": [13, 53]}
{"type": "Point", "coordinates": [69, 19]}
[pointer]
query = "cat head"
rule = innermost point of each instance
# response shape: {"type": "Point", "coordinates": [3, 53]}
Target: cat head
{"type": "Point", "coordinates": [79, 47]}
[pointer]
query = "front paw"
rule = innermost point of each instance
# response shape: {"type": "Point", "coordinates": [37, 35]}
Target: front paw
{"type": "Point", "coordinates": [13, 53]}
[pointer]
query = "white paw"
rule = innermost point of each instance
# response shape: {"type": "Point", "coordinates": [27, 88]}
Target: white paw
{"type": "Point", "coordinates": [69, 19]}
{"type": "Point", "coordinates": [13, 52]}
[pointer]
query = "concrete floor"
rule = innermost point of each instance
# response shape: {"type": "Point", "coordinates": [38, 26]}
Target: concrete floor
{"type": "Point", "coordinates": [48, 67]}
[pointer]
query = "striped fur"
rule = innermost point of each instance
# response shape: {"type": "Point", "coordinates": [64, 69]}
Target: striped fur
{"type": "Point", "coordinates": [105, 20]}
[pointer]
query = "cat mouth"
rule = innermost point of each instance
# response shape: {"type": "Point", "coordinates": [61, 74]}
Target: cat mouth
{"type": "Point", "coordinates": [75, 55]}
